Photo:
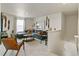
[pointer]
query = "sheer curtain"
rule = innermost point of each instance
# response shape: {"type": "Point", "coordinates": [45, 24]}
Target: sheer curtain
{"type": "Point", "coordinates": [20, 25]}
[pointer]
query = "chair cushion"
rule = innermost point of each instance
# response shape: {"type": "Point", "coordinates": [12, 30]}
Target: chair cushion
{"type": "Point", "coordinates": [10, 43]}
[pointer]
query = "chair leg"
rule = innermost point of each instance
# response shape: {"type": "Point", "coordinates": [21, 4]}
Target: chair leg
{"type": "Point", "coordinates": [20, 47]}
{"type": "Point", "coordinates": [23, 44]}
{"type": "Point", "coordinates": [5, 52]}
{"type": "Point", "coordinates": [17, 52]}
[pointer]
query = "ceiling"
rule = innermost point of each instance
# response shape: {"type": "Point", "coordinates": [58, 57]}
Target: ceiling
{"type": "Point", "coordinates": [38, 9]}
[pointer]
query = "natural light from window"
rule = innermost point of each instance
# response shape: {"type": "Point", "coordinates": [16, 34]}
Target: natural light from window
{"type": "Point", "coordinates": [20, 25]}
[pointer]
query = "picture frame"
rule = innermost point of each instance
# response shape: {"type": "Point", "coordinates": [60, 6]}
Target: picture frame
{"type": "Point", "coordinates": [47, 22]}
{"type": "Point", "coordinates": [8, 24]}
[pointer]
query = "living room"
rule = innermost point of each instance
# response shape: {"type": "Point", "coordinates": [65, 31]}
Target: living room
{"type": "Point", "coordinates": [50, 27]}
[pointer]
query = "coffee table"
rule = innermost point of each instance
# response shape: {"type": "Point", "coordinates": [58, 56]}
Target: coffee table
{"type": "Point", "coordinates": [28, 37]}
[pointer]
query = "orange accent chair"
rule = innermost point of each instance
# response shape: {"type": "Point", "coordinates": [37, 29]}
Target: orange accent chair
{"type": "Point", "coordinates": [11, 44]}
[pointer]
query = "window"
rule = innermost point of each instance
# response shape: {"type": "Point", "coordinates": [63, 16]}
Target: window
{"type": "Point", "coordinates": [20, 25]}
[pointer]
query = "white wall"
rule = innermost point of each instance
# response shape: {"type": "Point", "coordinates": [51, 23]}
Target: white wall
{"type": "Point", "coordinates": [41, 21]}
{"type": "Point", "coordinates": [0, 8]}
{"type": "Point", "coordinates": [71, 27]}
{"type": "Point", "coordinates": [55, 42]}
{"type": "Point", "coordinates": [0, 17]}
{"type": "Point", "coordinates": [55, 21]}
{"type": "Point", "coordinates": [29, 22]}
{"type": "Point", "coordinates": [12, 22]}
{"type": "Point", "coordinates": [0, 22]}
{"type": "Point", "coordinates": [55, 37]}
{"type": "Point", "coordinates": [78, 20]}
{"type": "Point", "coordinates": [66, 29]}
